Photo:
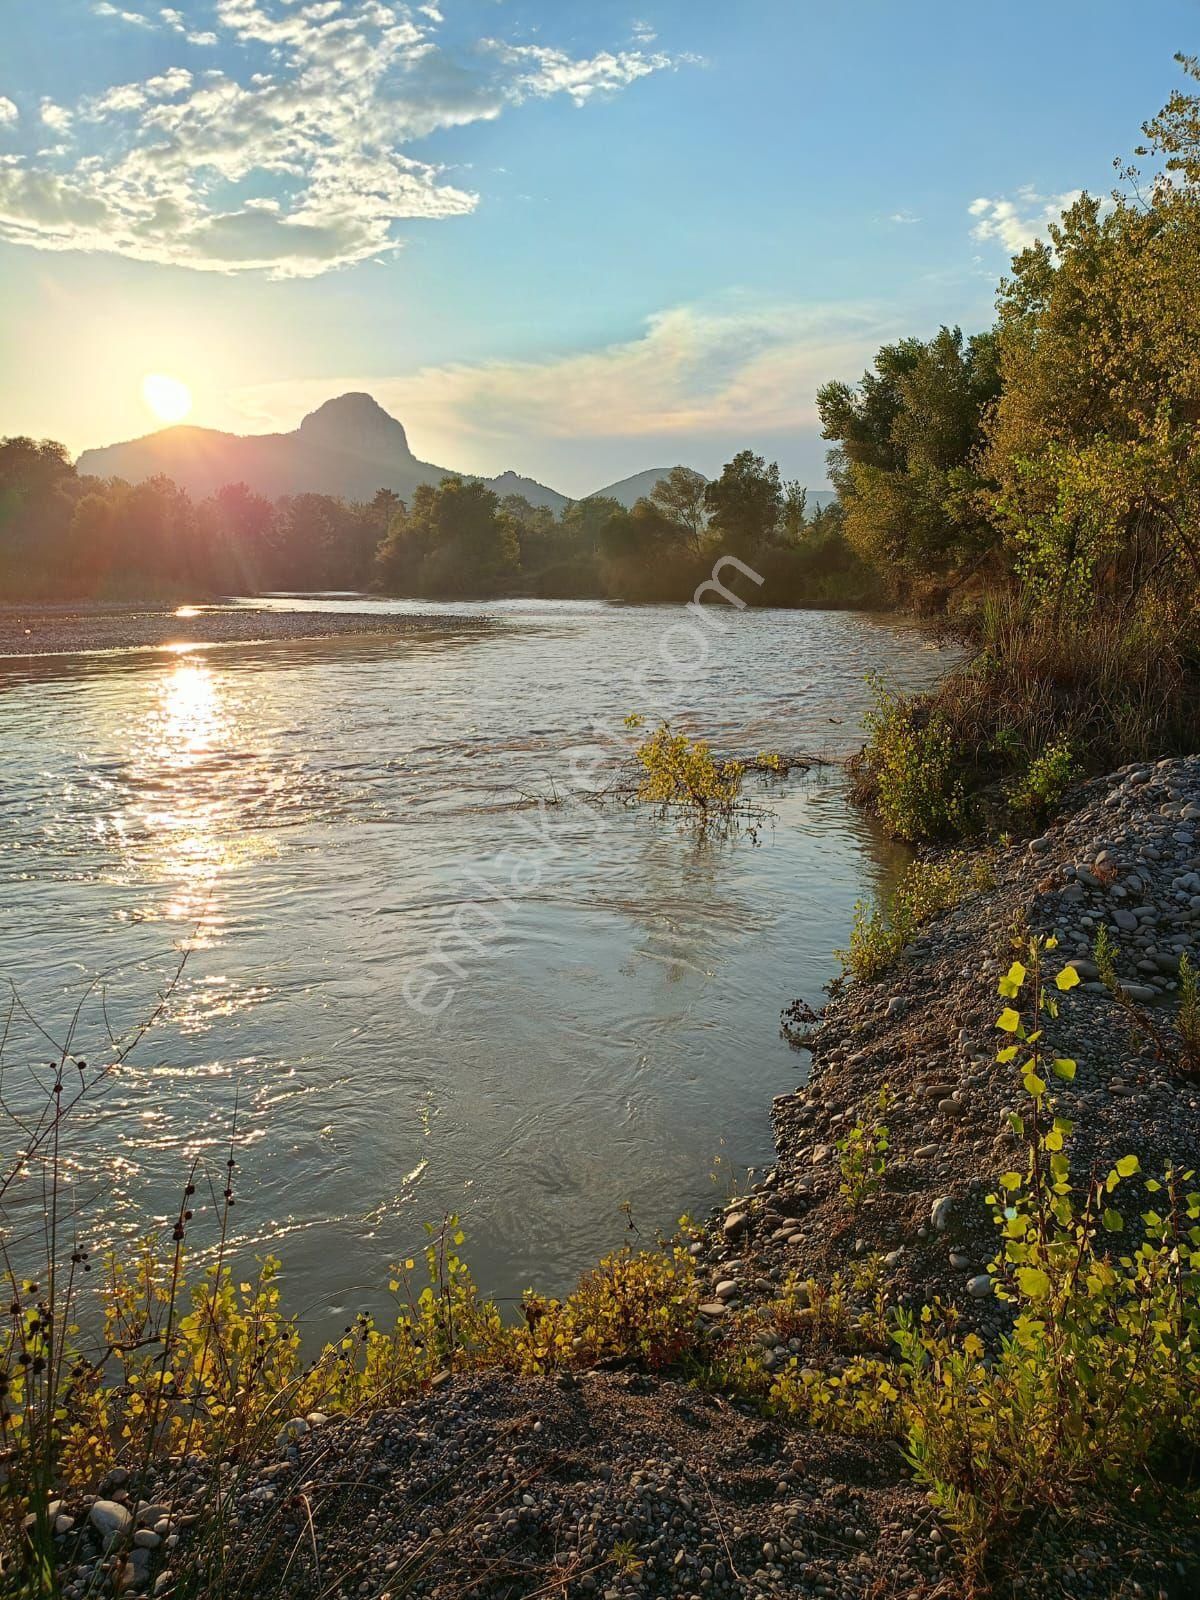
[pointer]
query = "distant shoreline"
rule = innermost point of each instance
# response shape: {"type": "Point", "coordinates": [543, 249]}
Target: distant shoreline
{"type": "Point", "coordinates": [74, 630]}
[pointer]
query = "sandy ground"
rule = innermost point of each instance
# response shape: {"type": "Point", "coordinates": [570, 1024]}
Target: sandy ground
{"type": "Point", "coordinates": [36, 631]}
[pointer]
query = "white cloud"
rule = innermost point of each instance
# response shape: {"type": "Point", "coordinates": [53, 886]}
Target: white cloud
{"type": "Point", "coordinates": [1021, 221]}
{"type": "Point", "coordinates": [542, 70]}
{"type": "Point", "coordinates": [692, 370]}
{"type": "Point", "coordinates": [904, 218]}
{"type": "Point", "coordinates": [644, 32]}
{"type": "Point", "coordinates": [134, 18]}
{"type": "Point", "coordinates": [314, 142]}
{"type": "Point", "coordinates": [8, 111]}
{"type": "Point", "coordinates": [55, 116]}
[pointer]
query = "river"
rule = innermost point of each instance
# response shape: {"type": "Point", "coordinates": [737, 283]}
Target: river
{"type": "Point", "coordinates": [305, 819]}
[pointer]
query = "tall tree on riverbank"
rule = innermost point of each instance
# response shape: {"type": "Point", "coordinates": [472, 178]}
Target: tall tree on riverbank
{"type": "Point", "coordinates": [1095, 443]}
{"type": "Point", "coordinates": [745, 504]}
{"type": "Point", "coordinates": [906, 440]}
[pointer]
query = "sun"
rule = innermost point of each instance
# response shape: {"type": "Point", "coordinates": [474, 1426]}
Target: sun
{"type": "Point", "coordinates": [169, 399]}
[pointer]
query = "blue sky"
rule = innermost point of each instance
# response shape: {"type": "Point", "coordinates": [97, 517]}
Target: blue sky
{"type": "Point", "coordinates": [578, 239]}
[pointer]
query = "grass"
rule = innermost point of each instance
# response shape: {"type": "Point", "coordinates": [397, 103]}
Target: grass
{"type": "Point", "coordinates": [926, 890]}
{"type": "Point", "coordinates": [1042, 701]}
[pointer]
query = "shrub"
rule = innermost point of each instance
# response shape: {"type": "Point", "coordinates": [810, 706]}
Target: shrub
{"type": "Point", "coordinates": [926, 890]}
{"type": "Point", "coordinates": [1099, 1380]}
{"type": "Point", "coordinates": [862, 1154]}
{"type": "Point", "coordinates": [906, 771]}
{"type": "Point", "coordinates": [1041, 702]}
{"type": "Point", "coordinates": [681, 774]}
{"type": "Point", "coordinates": [1048, 777]}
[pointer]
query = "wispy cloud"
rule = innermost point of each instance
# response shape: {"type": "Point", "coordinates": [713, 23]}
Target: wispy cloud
{"type": "Point", "coordinates": [904, 219]}
{"type": "Point", "coordinates": [293, 170]}
{"type": "Point", "coordinates": [1019, 221]}
{"type": "Point", "coordinates": [692, 370]}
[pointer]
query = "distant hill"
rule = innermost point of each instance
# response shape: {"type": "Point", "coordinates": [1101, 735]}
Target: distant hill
{"type": "Point", "coordinates": [530, 489]}
{"type": "Point", "coordinates": [630, 490]}
{"type": "Point", "coordinates": [349, 447]}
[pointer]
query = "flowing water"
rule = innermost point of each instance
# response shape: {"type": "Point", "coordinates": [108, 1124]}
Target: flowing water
{"type": "Point", "coordinates": [305, 820]}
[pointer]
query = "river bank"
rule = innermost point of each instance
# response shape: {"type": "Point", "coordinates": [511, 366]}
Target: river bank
{"type": "Point", "coordinates": [52, 630]}
{"type": "Point", "coordinates": [628, 1484]}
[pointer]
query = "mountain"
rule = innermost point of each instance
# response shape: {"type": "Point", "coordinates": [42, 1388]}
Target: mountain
{"type": "Point", "coordinates": [630, 490]}
{"type": "Point", "coordinates": [349, 446]}
{"type": "Point", "coordinates": [536, 493]}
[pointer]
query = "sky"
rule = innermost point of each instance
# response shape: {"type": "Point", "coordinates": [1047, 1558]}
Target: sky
{"type": "Point", "coordinates": [578, 238]}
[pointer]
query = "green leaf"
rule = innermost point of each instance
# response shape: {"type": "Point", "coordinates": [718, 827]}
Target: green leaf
{"type": "Point", "coordinates": [1113, 1221]}
{"type": "Point", "coordinates": [1063, 1068]}
{"type": "Point", "coordinates": [1034, 1283]}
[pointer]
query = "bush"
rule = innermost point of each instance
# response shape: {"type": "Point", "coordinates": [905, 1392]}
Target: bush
{"type": "Point", "coordinates": [1041, 702]}
{"type": "Point", "coordinates": [1099, 1382]}
{"type": "Point", "coordinates": [926, 890]}
{"type": "Point", "coordinates": [906, 771]}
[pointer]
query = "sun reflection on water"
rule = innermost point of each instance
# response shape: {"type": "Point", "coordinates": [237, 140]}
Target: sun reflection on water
{"type": "Point", "coordinates": [188, 813]}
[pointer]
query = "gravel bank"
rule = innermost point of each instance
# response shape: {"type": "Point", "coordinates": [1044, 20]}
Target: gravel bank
{"type": "Point", "coordinates": [38, 632]}
{"type": "Point", "coordinates": [619, 1486]}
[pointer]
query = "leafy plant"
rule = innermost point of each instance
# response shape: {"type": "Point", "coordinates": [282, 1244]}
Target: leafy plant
{"type": "Point", "coordinates": [926, 890]}
{"type": "Point", "coordinates": [1047, 778]}
{"type": "Point", "coordinates": [906, 770]}
{"type": "Point", "coordinates": [1100, 1378]}
{"type": "Point", "coordinates": [862, 1154]}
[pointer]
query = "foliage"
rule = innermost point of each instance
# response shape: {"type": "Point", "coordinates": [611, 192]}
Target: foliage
{"type": "Point", "coordinates": [1039, 704]}
{"type": "Point", "coordinates": [1047, 778]}
{"type": "Point", "coordinates": [1100, 1378]}
{"type": "Point", "coordinates": [681, 776]}
{"type": "Point", "coordinates": [926, 889]}
{"type": "Point", "coordinates": [453, 539]}
{"type": "Point", "coordinates": [906, 439]}
{"type": "Point", "coordinates": [907, 770]}
{"type": "Point", "coordinates": [862, 1154]}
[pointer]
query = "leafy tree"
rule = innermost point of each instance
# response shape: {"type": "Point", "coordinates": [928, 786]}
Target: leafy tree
{"type": "Point", "coordinates": [455, 539]}
{"type": "Point", "coordinates": [906, 441]}
{"type": "Point", "coordinates": [1094, 445]}
{"type": "Point", "coordinates": [681, 496]}
{"type": "Point", "coordinates": [745, 503]}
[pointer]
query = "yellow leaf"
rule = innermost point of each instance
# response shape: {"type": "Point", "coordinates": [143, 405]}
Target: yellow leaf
{"type": "Point", "coordinates": [1010, 984]}
{"type": "Point", "coordinates": [1067, 978]}
{"type": "Point", "coordinates": [1008, 1020]}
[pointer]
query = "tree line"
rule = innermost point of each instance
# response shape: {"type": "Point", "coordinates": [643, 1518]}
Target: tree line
{"type": "Point", "coordinates": [66, 536]}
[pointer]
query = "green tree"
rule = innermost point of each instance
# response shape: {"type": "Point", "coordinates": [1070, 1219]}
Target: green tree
{"type": "Point", "coordinates": [1094, 445]}
{"type": "Point", "coordinates": [745, 504]}
{"type": "Point", "coordinates": [906, 441]}
{"type": "Point", "coordinates": [681, 496]}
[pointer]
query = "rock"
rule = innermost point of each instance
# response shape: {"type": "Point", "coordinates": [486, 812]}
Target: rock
{"type": "Point", "coordinates": [146, 1539]}
{"type": "Point", "coordinates": [109, 1518]}
{"type": "Point", "coordinates": [713, 1308]}
{"type": "Point", "coordinates": [939, 1214]}
{"type": "Point", "coordinates": [896, 1006]}
{"type": "Point", "coordinates": [979, 1288]}
{"type": "Point", "coordinates": [734, 1225]}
